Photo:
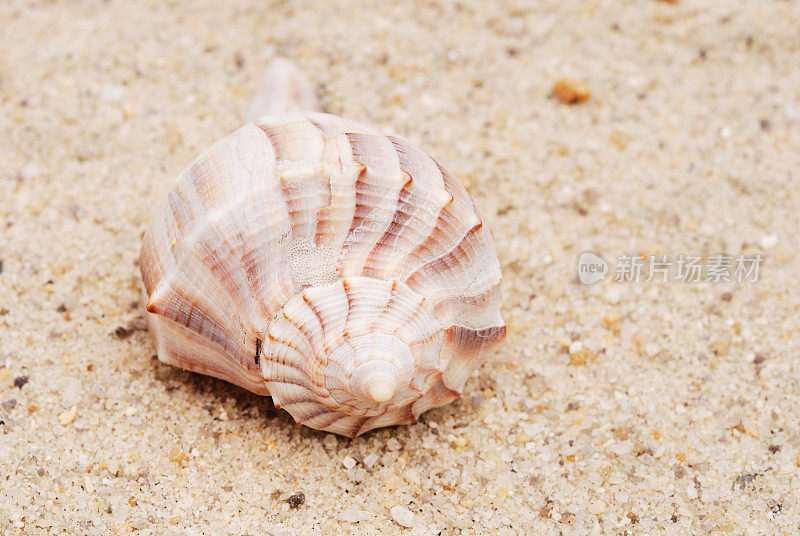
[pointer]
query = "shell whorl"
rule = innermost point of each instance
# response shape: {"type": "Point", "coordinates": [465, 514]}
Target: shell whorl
{"type": "Point", "coordinates": [343, 272]}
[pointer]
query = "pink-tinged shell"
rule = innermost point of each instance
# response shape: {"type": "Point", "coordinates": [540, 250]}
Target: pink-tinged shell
{"type": "Point", "coordinates": [343, 272]}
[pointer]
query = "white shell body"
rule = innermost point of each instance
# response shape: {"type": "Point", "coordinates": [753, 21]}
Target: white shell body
{"type": "Point", "coordinates": [343, 272]}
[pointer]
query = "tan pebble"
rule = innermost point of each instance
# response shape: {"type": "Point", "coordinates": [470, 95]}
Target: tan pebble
{"type": "Point", "coordinates": [641, 339]}
{"type": "Point", "coordinates": [582, 357]}
{"type": "Point", "coordinates": [512, 362]}
{"type": "Point", "coordinates": [68, 416]}
{"type": "Point", "coordinates": [459, 442]}
{"type": "Point", "coordinates": [664, 17]}
{"type": "Point", "coordinates": [60, 269]}
{"type": "Point", "coordinates": [612, 320]}
{"type": "Point", "coordinates": [618, 140]}
{"type": "Point", "coordinates": [797, 459]}
{"type": "Point", "coordinates": [523, 438]}
{"type": "Point", "coordinates": [597, 507]}
{"type": "Point", "coordinates": [176, 455]}
{"type": "Point", "coordinates": [571, 91]}
{"type": "Point", "coordinates": [173, 140]}
{"type": "Point", "coordinates": [669, 1]}
{"type": "Point", "coordinates": [720, 346]}
{"type": "Point", "coordinates": [4, 373]}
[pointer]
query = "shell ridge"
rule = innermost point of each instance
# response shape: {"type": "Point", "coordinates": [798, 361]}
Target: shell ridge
{"type": "Point", "coordinates": [174, 284]}
{"type": "Point", "coordinates": [377, 195]}
{"type": "Point", "coordinates": [392, 232]}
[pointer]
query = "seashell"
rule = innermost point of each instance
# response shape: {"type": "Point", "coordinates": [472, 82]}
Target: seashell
{"type": "Point", "coordinates": [342, 272]}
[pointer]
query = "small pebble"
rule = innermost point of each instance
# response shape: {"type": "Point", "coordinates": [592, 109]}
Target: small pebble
{"type": "Point", "coordinates": [10, 404]}
{"type": "Point", "coordinates": [348, 462]}
{"type": "Point", "coordinates": [122, 332]}
{"type": "Point", "coordinates": [402, 516]}
{"type": "Point", "coordinates": [370, 460]}
{"type": "Point", "coordinates": [570, 91]}
{"type": "Point", "coordinates": [68, 416]}
{"type": "Point", "coordinates": [353, 515]}
{"type": "Point", "coordinates": [393, 444]}
{"type": "Point", "coordinates": [330, 442]}
{"type": "Point", "coordinates": [612, 319]}
{"type": "Point", "coordinates": [581, 357]}
{"type": "Point", "coordinates": [475, 401]}
{"type": "Point", "coordinates": [296, 499]}
{"type": "Point", "coordinates": [768, 242]}
{"type": "Point", "coordinates": [597, 507]}
{"type": "Point", "coordinates": [20, 381]}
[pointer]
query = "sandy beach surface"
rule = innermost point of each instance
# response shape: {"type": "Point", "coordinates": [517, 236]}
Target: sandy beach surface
{"type": "Point", "coordinates": [630, 408]}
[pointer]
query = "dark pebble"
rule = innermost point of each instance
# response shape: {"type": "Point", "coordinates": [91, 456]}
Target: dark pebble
{"type": "Point", "coordinates": [680, 472]}
{"type": "Point", "coordinates": [296, 499]}
{"type": "Point", "coordinates": [758, 359]}
{"type": "Point", "coordinates": [726, 297]}
{"type": "Point", "coordinates": [3, 311]}
{"type": "Point", "coordinates": [1, 267]}
{"type": "Point", "coordinates": [123, 333]}
{"type": "Point", "coordinates": [20, 381]}
{"type": "Point", "coordinates": [61, 308]}
{"type": "Point", "coordinates": [10, 404]}
{"type": "Point", "coordinates": [774, 448]}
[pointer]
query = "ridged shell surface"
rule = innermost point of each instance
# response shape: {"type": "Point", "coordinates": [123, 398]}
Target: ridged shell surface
{"type": "Point", "coordinates": [310, 258]}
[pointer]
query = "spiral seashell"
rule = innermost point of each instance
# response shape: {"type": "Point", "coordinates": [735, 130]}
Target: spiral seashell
{"type": "Point", "coordinates": [310, 258]}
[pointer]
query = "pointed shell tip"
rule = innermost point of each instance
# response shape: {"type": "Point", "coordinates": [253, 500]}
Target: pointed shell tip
{"type": "Point", "coordinates": [381, 390]}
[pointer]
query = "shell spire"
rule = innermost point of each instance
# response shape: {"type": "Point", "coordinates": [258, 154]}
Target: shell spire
{"type": "Point", "coordinates": [344, 273]}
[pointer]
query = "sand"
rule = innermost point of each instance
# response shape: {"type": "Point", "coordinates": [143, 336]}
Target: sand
{"type": "Point", "coordinates": [617, 408]}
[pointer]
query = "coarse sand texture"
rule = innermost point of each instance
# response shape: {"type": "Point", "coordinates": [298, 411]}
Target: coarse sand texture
{"type": "Point", "coordinates": [641, 138]}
